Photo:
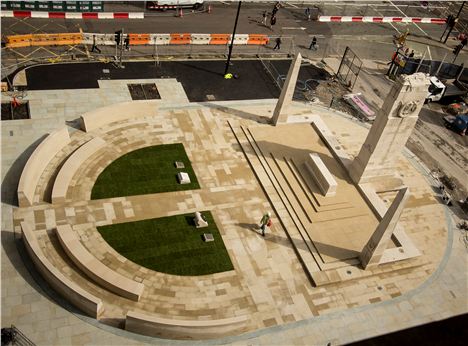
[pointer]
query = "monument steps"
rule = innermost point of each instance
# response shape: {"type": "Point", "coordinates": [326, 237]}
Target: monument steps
{"type": "Point", "coordinates": [274, 193]}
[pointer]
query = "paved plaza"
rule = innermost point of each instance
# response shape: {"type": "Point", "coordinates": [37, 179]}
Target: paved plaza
{"type": "Point", "coordinates": [269, 283]}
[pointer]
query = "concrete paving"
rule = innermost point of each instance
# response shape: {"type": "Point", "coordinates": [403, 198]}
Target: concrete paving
{"type": "Point", "coordinates": [268, 281]}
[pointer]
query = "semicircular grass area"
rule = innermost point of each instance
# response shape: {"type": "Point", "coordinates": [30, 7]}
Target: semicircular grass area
{"type": "Point", "coordinates": [144, 171]}
{"type": "Point", "coordinates": [171, 245]}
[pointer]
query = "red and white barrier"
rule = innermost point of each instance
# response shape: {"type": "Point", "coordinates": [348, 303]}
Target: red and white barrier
{"type": "Point", "coordinates": [74, 15]}
{"type": "Point", "coordinates": [366, 19]}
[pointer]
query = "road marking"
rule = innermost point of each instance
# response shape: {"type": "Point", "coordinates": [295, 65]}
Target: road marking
{"type": "Point", "coordinates": [425, 33]}
{"type": "Point", "coordinates": [293, 28]}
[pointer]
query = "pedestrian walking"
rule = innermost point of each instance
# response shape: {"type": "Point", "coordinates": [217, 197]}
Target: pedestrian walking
{"type": "Point", "coordinates": [95, 47]}
{"type": "Point", "coordinates": [307, 13]}
{"type": "Point", "coordinates": [264, 18]}
{"type": "Point", "coordinates": [278, 43]}
{"type": "Point", "coordinates": [313, 44]}
{"type": "Point", "coordinates": [272, 21]}
{"type": "Point", "coordinates": [127, 42]}
{"type": "Point", "coordinates": [464, 41]}
{"type": "Point", "coordinates": [265, 221]}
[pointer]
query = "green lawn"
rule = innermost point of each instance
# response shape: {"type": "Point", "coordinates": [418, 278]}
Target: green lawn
{"type": "Point", "coordinates": [144, 171]}
{"type": "Point", "coordinates": [171, 245]}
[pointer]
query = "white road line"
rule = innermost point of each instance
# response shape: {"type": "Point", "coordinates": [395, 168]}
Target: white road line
{"type": "Point", "coordinates": [393, 26]}
{"type": "Point", "coordinates": [403, 13]}
{"type": "Point", "coordinates": [293, 28]}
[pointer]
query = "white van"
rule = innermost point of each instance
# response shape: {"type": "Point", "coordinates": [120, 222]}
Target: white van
{"type": "Point", "coordinates": [173, 4]}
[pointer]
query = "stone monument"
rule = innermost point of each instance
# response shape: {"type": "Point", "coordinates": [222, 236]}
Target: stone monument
{"type": "Point", "coordinates": [375, 247]}
{"type": "Point", "coordinates": [392, 127]}
{"type": "Point", "coordinates": [280, 113]}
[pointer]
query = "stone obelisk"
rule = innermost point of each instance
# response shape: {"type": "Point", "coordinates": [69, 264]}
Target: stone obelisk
{"type": "Point", "coordinates": [392, 127]}
{"type": "Point", "coordinates": [375, 247]}
{"type": "Point", "coordinates": [280, 114]}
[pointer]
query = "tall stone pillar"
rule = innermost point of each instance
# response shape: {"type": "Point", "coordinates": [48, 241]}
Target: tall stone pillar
{"type": "Point", "coordinates": [392, 127]}
{"type": "Point", "coordinates": [375, 247]}
{"type": "Point", "coordinates": [280, 114]}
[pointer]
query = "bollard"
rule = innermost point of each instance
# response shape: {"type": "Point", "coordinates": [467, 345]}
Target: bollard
{"type": "Point", "coordinates": [209, 8]}
{"type": "Point", "coordinates": [181, 13]}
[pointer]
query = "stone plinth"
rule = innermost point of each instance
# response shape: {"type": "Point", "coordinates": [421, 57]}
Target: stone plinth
{"type": "Point", "coordinates": [321, 175]}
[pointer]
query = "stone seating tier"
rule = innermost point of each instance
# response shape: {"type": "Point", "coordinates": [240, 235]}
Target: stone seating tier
{"type": "Point", "coordinates": [95, 269]}
{"type": "Point", "coordinates": [37, 163]}
{"type": "Point", "coordinates": [140, 323]}
{"type": "Point", "coordinates": [73, 163]}
{"type": "Point", "coordinates": [118, 112]}
{"type": "Point", "coordinates": [84, 301]}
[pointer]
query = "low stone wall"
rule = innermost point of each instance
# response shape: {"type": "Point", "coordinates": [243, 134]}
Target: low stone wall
{"type": "Point", "coordinates": [117, 112]}
{"type": "Point", "coordinates": [322, 176]}
{"type": "Point", "coordinates": [140, 323]}
{"type": "Point", "coordinates": [84, 301]}
{"type": "Point", "coordinates": [37, 163]}
{"type": "Point", "coordinates": [73, 163]}
{"type": "Point", "coordinates": [94, 268]}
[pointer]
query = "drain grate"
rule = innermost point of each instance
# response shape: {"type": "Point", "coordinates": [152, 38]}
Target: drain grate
{"type": "Point", "coordinates": [210, 97]}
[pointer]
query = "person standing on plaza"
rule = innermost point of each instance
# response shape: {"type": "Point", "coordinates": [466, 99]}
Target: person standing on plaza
{"type": "Point", "coordinates": [264, 18]}
{"type": "Point", "coordinates": [95, 47]}
{"type": "Point", "coordinates": [265, 221]}
{"type": "Point", "coordinates": [278, 43]}
{"type": "Point", "coordinates": [313, 44]}
{"type": "Point", "coordinates": [307, 13]}
{"type": "Point", "coordinates": [272, 21]}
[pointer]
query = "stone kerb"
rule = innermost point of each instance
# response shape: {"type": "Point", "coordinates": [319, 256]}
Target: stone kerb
{"type": "Point", "coordinates": [37, 163]}
{"type": "Point", "coordinates": [117, 112]}
{"type": "Point", "coordinates": [83, 300]}
{"type": "Point", "coordinates": [140, 323]}
{"type": "Point", "coordinates": [322, 176]}
{"type": "Point", "coordinates": [73, 163]}
{"type": "Point", "coordinates": [95, 269]}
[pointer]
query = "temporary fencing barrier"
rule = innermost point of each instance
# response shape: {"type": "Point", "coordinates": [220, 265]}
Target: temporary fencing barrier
{"type": "Point", "coordinates": [220, 38]}
{"type": "Point", "coordinates": [73, 15]}
{"type": "Point", "coordinates": [368, 19]}
{"type": "Point", "coordinates": [181, 39]}
{"type": "Point", "coordinates": [201, 38]}
{"type": "Point", "coordinates": [15, 41]}
{"type": "Point", "coordinates": [160, 39]}
{"type": "Point", "coordinates": [258, 39]}
{"type": "Point", "coordinates": [18, 41]}
{"type": "Point", "coordinates": [241, 39]}
{"type": "Point", "coordinates": [139, 39]}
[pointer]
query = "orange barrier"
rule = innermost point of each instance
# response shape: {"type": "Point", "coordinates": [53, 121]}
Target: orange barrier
{"type": "Point", "coordinates": [181, 39]}
{"type": "Point", "coordinates": [18, 41]}
{"type": "Point", "coordinates": [219, 38]}
{"type": "Point", "coordinates": [139, 39]}
{"type": "Point", "coordinates": [258, 39]}
{"type": "Point", "coordinates": [56, 39]}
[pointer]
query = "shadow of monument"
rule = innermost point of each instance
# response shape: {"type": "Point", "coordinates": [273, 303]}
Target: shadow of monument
{"type": "Point", "coordinates": [241, 114]}
{"type": "Point", "coordinates": [324, 249]}
{"type": "Point", "coordinates": [12, 177]}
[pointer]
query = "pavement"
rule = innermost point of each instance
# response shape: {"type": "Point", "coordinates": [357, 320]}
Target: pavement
{"type": "Point", "coordinates": [268, 275]}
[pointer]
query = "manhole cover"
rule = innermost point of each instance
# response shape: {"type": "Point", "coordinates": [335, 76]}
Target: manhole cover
{"type": "Point", "coordinates": [210, 97]}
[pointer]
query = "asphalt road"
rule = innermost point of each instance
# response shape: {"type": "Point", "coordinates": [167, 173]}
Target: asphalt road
{"type": "Point", "coordinates": [202, 80]}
